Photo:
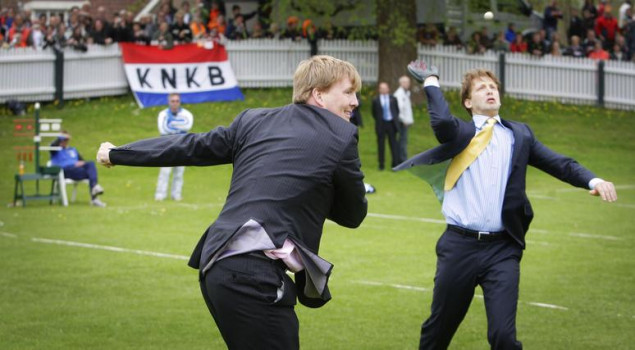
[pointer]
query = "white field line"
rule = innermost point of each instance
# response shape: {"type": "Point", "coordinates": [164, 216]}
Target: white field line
{"type": "Point", "coordinates": [548, 306]}
{"type": "Point", "coordinates": [539, 196]}
{"type": "Point", "coordinates": [588, 235]}
{"type": "Point", "coordinates": [154, 206]}
{"type": "Point", "coordinates": [408, 218]}
{"type": "Point", "coordinates": [183, 257]}
{"type": "Point", "coordinates": [109, 248]}
{"type": "Point", "coordinates": [477, 296]}
{"type": "Point", "coordinates": [624, 205]}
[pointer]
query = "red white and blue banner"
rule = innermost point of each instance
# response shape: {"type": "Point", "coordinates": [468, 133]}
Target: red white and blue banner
{"type": "Point", "coordinates": [197, 73]}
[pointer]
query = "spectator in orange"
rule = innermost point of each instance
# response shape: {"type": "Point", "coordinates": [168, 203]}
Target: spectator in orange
{"type": "Point", "coordinates": [305, 26]}
{"type": "Point", "coordinates": [19, 32]}
{"type": "Point", "coordinates": [292, 31]}
{"type": "Point", "coordinates": [599, 53]}
{"type": "Point", "coordinates": [197, 27]}
{"type": "Point", "coordinates": [219, 26]}
{"type": "Point", "coordinates": [214, 12]}
{"type": "Point", "coordinates": [606, 27]}
{"type": "Point", "coordinates": [519, 44]}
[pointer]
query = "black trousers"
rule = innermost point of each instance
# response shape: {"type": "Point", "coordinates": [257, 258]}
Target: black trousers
{"type": "Point", "coordinates": [252, 301]}
{"type": "Point", "coordinates": [462, 264]}
{"type": "Point", "coordinates": [383, 130]}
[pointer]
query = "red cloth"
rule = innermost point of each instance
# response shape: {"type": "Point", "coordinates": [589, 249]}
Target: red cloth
{"type": "Point", "coordinates": [599, 55]}
{"type": "Point", "coordinates": [606, 27]}
{"type": "Point", "coordinates": [24, 36]}
{"type": "Point", "coordinates": [514, 47]}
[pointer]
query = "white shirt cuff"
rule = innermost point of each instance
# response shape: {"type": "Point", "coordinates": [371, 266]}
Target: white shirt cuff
{"type": "Point", "coordinates": [431, 82]}
{"type": "Point", "coordinates": [594, 182]}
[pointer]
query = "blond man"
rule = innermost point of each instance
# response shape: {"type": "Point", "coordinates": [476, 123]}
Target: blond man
{"type": "Point", "coordinates": [293, 167]}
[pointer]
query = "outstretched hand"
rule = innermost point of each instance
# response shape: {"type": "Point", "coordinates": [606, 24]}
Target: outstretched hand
{"type": "Point", "coordinates": [103, 154]}
{"type": "Point", "coordinates": [420, 71]}
{"type": "Point", "coordinates": [606, 190]}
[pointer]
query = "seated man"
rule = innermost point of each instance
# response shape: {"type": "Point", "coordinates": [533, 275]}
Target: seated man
{"type": "Point", "coordinates": [75, 167]}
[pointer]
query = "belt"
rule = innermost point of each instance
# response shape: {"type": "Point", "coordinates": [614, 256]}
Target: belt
{"type": "Point", "coordinates": [479, 235]}
{"type": "Point", "coordinates": [261, 255]}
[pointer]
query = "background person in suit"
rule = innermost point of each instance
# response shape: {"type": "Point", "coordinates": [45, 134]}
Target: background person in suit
{"type": "Point", "coordinates": [484, 204]}
{"type": "Point", "coordinates": [386, 115]}
{"type": "Point", "coordinates": [293, 167]}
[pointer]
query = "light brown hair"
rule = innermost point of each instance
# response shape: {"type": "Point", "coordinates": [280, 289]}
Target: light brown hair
{"type": "Point", "coordinates": [321, 72]}
{"type": "Point", "coordinates": [469, 77]}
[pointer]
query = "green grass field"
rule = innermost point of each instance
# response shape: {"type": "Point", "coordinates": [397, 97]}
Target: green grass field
{"type": "Point", "coordinates": [60, 296]}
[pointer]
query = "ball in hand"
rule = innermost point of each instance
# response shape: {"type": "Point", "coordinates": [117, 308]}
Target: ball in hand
{"type": "Point", "coordinates": [488, 15]}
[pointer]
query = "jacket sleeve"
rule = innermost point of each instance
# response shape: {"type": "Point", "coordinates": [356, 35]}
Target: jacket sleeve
{"type": "Point", "coordinates": [349, 205]}
{"type": "Point", "coordinates": [211, 148]}
{"type": "Point", "coordinates": [443, 123]}
{"type": "Point", "coordinates": [557, 165]}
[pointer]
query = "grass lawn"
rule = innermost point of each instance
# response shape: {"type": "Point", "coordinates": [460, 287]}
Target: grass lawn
{"type": "Point", "coordinates": [54, 295]}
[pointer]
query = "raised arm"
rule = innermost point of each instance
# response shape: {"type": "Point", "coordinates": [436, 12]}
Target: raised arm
{"type": "Point", "coordinates": [210, 148]}
{"type": "Point", "coordinates": [443, 123]}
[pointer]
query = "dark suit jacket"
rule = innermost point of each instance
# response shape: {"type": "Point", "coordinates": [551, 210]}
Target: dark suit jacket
{"type": "Point", "coordinates": [378, 112]}
{"type": "Point", "coordinates": [294, 166]}
{"type": "Point", "coordinates": [454, 135]}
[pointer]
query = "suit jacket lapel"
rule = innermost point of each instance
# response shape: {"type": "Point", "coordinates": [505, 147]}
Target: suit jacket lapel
{"type": "Point", "coordinates": [518, 140]}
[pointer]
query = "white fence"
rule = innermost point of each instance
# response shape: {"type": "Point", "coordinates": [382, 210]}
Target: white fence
{"type": "Point", "coordinates": [30, 75]}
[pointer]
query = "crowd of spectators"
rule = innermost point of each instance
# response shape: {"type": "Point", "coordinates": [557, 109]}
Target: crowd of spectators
{"type": "Point", "coordinates": [202, 22]}
{"type": "Point", "coordinates": [596, 34]}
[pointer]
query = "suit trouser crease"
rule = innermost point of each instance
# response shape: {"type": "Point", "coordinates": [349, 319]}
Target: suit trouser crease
{"type": "Point", "coordinates": [242, 294]}
{"type": "Point", "coordinates": [387, 129]}
{"type": "Point", "coordinates": [462, 264]}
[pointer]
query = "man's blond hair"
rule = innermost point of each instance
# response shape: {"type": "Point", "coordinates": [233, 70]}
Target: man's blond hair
{"type": "Point", "coordinates": [321, 72]}
{"type": "Point", "coordinates": [469, 77]}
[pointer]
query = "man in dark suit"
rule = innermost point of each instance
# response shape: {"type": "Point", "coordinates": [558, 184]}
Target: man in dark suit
{"type": "Point", "coordinates": [480, 180]}
{"type": "Point", "coordinates": [293, 167]}
{"type": "Point", "coordinates": [386, 114]}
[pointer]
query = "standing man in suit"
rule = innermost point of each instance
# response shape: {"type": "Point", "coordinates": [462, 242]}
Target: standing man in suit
{"type": "Point", "coordinates": [386, 115]}
{"type": "Point", "coordinates": [484, 203]}
{"type": "Point", "coordinates": [405, 115]}
{"type": "Point", "coordinates": [293, 167]}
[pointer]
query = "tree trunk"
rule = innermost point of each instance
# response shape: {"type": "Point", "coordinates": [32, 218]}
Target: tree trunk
{"type": "Point", "coordinates": [396, 25]}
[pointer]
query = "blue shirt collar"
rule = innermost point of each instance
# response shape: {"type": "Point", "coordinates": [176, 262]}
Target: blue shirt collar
{"type": "Point", "coordinates": [480, 120]}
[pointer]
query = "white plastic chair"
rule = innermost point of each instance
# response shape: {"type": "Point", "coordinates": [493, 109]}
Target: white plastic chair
{"type": "Point", "coordinates": [64, 182]}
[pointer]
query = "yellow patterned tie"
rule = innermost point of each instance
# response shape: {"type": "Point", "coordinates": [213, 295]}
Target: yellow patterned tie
{"type": "Point", "coordinates": [463, 160]}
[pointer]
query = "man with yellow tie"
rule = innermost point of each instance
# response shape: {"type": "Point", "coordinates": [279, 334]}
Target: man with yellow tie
{"type": "Point", "coordinates": [478, 173]}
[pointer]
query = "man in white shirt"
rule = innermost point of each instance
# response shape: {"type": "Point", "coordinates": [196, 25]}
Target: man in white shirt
{"type": "Point", "coordinates": [171, 121]}
{"type": "Point", "coordinates": [405, 115]}
{"type": "Point", "coordinates": [622, 19]}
